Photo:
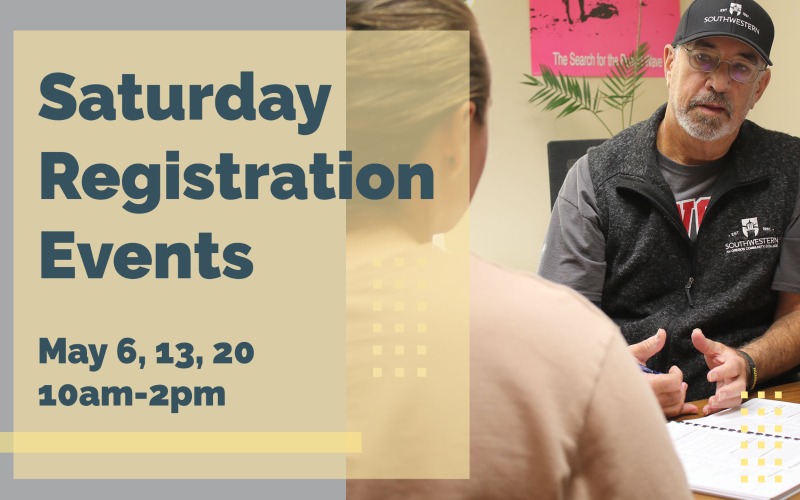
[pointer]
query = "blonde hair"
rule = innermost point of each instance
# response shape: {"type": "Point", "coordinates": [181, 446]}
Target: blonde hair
{"type": "Point", "coordinates": [428, 15]}
{"type": "Point", "coordinates": [401, 87]}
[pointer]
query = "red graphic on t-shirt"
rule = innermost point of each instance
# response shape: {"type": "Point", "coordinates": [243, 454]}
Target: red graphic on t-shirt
{"type": "Point", "coordinates": [692, 212]}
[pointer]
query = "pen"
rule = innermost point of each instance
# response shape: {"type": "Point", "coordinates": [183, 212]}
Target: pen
{"type": "Point", "coordinates": [649, 370]}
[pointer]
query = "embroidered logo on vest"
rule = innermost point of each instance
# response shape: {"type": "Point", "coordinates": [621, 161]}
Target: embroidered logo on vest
{"type": "Point", "coordinates": [750, 226]}
{"type": "Point", "coordinates": [751, 229]}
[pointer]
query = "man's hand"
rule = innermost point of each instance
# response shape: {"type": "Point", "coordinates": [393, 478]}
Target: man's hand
{"type": "Point", "coordinates": [726, 368]}
{"type": "Point", "coordinates": [670, 389]}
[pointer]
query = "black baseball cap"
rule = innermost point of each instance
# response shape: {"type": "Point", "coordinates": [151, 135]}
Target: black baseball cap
{"type": "Point", "coordinates": [744, 20]}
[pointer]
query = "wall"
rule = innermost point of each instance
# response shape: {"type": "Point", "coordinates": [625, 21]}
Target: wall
{"type": "Point", "coordinates": [511, 208]}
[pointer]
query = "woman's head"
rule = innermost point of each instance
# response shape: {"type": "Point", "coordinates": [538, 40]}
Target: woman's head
{"type": "Point", "coordinates": [407, 98]}
{"type": "Point", "coordinates": [429, 15]}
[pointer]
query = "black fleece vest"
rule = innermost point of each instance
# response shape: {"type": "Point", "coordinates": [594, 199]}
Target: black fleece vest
{"type": "Point", "coordinates": [657, 278]}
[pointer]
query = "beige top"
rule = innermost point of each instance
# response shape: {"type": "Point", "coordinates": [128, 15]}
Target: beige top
{"type": "Point", "coordinates": [558, 407]}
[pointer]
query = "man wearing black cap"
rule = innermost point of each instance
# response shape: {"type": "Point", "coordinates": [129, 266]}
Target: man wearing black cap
{"type": "Point", "coordinates": [686, 225]}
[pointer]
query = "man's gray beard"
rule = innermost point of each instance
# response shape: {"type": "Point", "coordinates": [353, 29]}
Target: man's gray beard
{"type": "Point", "coordinates": [704, 128]}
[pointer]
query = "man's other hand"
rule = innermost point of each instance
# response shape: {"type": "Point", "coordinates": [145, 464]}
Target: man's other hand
{"type": "Point", "coordinates": [670, 389]}
{"type": "Point", "coordinates": [727, 368]}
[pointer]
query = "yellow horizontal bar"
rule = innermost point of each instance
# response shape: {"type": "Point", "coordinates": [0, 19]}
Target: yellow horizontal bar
{"type": "Point", "coordinates": [180, 442]}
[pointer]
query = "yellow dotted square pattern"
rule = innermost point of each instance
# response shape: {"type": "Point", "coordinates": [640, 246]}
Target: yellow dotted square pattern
{"type": "Point", "coordinates": [762, 444]}
{"type": "Point", "coordinates": [399, 327]}
{"type": "Point", "coordinates": [761, 479]}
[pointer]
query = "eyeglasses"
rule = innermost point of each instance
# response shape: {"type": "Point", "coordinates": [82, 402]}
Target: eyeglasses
{"type": "Point", "coordinates": [740, 70]}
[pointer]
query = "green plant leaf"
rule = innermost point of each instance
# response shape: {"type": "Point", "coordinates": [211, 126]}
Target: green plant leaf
{"type": "Point", "coordinates": [567, 94]}
{"type": "Point", "coordinates": [625, 78]}
{"type": "Point", "coordinates": [531, 81]}
{"type": "Point", "coordinates": [561, 92]}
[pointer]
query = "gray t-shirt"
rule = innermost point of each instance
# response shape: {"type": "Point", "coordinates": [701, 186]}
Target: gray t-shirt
{"type": "Point", "coordinates": [574, 248]}
{"type": "Point", "coordinates": [691, 185]}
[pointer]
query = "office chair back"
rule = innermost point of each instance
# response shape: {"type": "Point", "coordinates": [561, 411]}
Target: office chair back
{"type": "Point", "coordinates": [561, 156]}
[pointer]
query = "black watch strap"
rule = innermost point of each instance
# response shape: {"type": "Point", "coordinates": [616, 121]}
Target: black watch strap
{"type": "Point", "coordinates": [752, 373]}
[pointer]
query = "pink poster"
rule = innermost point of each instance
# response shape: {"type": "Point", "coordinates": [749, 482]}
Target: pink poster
{"type": "Point", "coordinates": [586, 37]}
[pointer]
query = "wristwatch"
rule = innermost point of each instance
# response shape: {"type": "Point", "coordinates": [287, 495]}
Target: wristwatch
{"type": "Point", "coordinates": [752, 373]}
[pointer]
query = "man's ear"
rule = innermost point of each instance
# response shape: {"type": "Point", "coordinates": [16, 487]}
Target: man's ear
{"type": "Point", "coordinates": [762, 86]}
{"type": "Point", "coordinates": [669, 60]}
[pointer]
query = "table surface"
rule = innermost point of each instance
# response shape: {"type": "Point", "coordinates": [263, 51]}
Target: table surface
{"type": "Point", "coordinates": [791, 393]}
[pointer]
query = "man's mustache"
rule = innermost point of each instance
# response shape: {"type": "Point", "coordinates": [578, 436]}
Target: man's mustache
{"type": "Point", "coordinates": [712, 99]}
